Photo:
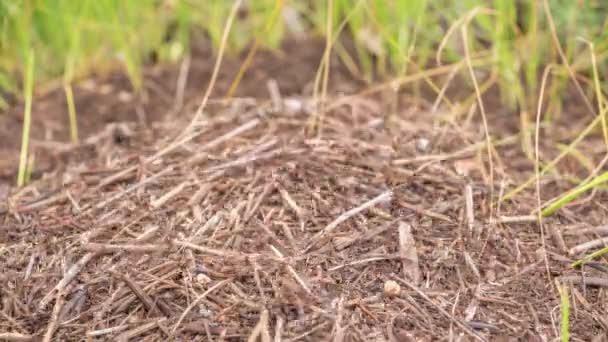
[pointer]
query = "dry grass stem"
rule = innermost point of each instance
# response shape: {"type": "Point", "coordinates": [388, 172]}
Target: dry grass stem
{"type": "Point", "coordinates": [408, 253]}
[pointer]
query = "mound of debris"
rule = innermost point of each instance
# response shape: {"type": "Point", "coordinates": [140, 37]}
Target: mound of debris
{"type": "Point", "coordinates": [244, 228]}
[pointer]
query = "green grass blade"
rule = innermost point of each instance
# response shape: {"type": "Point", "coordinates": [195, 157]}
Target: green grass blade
{"type": "Point", "coordinates": [25, 138]}
{"type": "Point", "coordinates": [565, 313]}
{"type": "Point", "coordinates": [590, 257]}
{"type": "Point", "coordinates": [574, 194]}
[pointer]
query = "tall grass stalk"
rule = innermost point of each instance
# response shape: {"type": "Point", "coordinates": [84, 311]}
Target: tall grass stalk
{"type": "Point", "coordinates": [564, 313]}
{"type": "Point", "coordinates": [27, 118]}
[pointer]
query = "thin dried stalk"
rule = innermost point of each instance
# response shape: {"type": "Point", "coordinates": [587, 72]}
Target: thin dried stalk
{"type": "Point", "coordinates": [384, 197]}
{"type": "Point", "coordinates": [408, 252]}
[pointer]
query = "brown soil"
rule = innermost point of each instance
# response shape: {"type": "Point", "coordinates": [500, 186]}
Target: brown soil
{"type": "Point", "coordinates": [254, 228]}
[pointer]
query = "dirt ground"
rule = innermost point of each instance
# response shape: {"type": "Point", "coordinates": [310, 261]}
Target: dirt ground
{"type": "Point", "coordinates": [381, 228]}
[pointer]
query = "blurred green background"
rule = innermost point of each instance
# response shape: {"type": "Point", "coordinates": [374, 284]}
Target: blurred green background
{"type": "Point", "coordinates": [393, 37]}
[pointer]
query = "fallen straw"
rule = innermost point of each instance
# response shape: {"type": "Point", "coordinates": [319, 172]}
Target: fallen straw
{"type": "Point", "coordinates": [384, 197]}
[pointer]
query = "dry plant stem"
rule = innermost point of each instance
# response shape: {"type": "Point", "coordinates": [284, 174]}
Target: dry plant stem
{"type": "Point", "coordinates": [275, 95]}
{"type": "Point", "coordinates": [143, 297]}
{"type": "Point", "coordinates": [599, 230]}
{"type": "Point", "coordinates": [278, 329]}
{"type": "Point", "coordinates": [67, 278]}
{"type": "Point", "coordinates": [127, 335]}
{"type": "Point", "coordinates": [587, 281]}
{"type": "Point", "coordinates": [462, 325]}
{"type": "Point", "coordinates": [196, 301]}
{"type": "Point", "coordinates": [368, 260]}
{"type": "Point", "coordinates": [55, 199]}
{"type": "Point", "coordinates": [537, 170]}
{"type": "Point", "coordinates": [517, 219]}
{"type": "Point", "coordinates": [261, 329]}
{"type": "Point", "coordinates": [210, 251]}
{"type": "Point", "coordinates": [293, 272]}
{"type": "Point", "coordinates": [54, 321]}
{"type": "Point", "coordinates": [15, 337]}
{"type": "Point", "coordinates": [483, 114]}
{"type": "Point", "coordinates": [558, 238]}
{"type": "Point", "coordinates": [169, 195]}
{"type": "Point", "coordinates": [182, 80]}
{"type": "Point", "coordinates": [338, 330]}
{"type": "Point", "coordinates": [468, 196]}
{"type": "Point", "coordinates": [408, 253]}
{"type": "Point", "coordinates": [106, 331]}
{"type": "Point", "coordinates": [384, 197]}
{"type": "Point", "coordinates": [111, 248]}
{"type": "Point", "coordinates": [588, 245]}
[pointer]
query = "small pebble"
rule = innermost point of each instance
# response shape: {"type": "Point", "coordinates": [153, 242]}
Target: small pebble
{"type": "Point", "coordinates": [391, 288]}
{"type": "Point", "coordinates": [422, 145]}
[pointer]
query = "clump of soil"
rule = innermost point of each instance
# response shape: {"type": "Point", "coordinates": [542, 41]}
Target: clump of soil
{"type": "Point", "coordinates": [373, 230]}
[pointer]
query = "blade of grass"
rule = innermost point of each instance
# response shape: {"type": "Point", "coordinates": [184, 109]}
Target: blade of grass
{"type": "Point", "coordinates": [555, 161]}
{"type": "Point", "coordinates": [27, 118]}
{"type": "Point", "coordinates": [69, 96]}
{"type": "Point", "coordinates": [590, 257]}
{"type": "Point", "coordinates": [574, 194]}
{"type": "Point", "coordinates": [565, 313]}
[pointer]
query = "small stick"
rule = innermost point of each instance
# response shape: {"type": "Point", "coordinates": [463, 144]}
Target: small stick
{"type": "Point", "coordinates": [469, 261]}
{"type": "Point", "coordinates": [139, 293]}
{"type": "Point", "coordinates": [291, 203]}
{"type": "Point", "coordinates": [267, 190]}
{"type": "Point", "coordinates": [338, 328]}
{"type": "Point", "coordinates": [361, 237]}
{"type": "Point", "coordinates": [104, 248]}
{"type": "Point", "coordinates": [588, 245]}
{"type": "Point", "coordinates": [468, 196]}
{"type": "Point", "coordinates": [169, 195]}
{"type": "Point", "coordinates": [30, 266]}
{"type": "Point", "coordinates": [127, 335]}
{"type": "Point", "coordinates": [558, 239]}
{"type": "Point", "coordinates": [15, 337]}
{"type": "Point", "coordinates": [366, 260]}
{"type": "Point", "coordinates": [75, 304]}
{"type": "Point", "coordinates": [599, 230]}
{"type": "Point", "coordinates": [106, 331]}
{"type": "Point", "coordinates": [54, 321]}
{"type": "Point", "coordinates": [198, 195]}
{"type": "Point", "coordinates": [292, 271]}
{"type": "Point", "coordinates": [386, 196]}
{"type": "Point", "coordinates": [517, 219]}
{"type": "Point", "coordinates": [260, 329]}
{"type": "Point", "coordinates": [588, 281]}
{"type": "Point", "coordinates": [275, 95]}
{"type": "Point", "coordinates": [182, 80]}
{"type": "Point", "coordinates": [55, 199]}
{"type": "Point", "coordinates": [278, 329]}
{"type": "Point", "coordinates": [208, 250]}
{"type": "Point", "coordinates": [408, 252]}
{"type": "Point", "coordinates": [67, 278]}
